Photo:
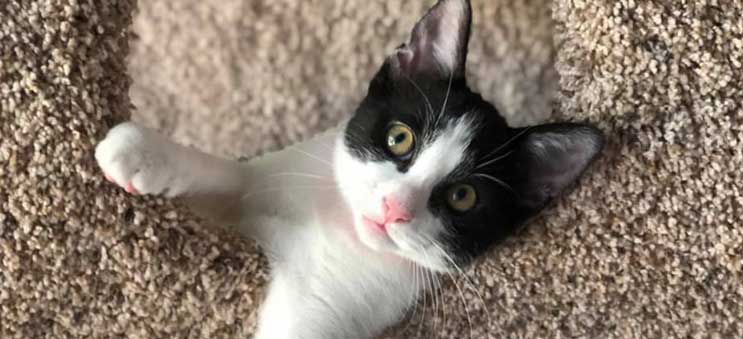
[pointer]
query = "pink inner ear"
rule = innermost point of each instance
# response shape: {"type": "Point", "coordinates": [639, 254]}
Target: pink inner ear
{"type": "Point", "coordinates": [438, 43]}
{"type": "Point", "coordinates": [405, 59]}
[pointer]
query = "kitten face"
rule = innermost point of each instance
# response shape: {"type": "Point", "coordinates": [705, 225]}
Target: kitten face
{"type": "Point", "coordinates": [448, 145]}
{"type": "Point", "coordinates": [430, 170]}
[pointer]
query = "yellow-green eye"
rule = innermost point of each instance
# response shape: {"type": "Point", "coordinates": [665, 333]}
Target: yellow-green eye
{"type": "Point", "coordinates": [400, 139]}
{"type": "Point", "coordinates": [461, 197]}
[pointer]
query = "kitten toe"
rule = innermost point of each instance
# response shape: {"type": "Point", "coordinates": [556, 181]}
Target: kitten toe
{"type": "Point", "coordinates": [135, 158]}
{"type": "Point", "coordinates": [130, 189]}
{"type": "Point", "coordinates": [108, 178]}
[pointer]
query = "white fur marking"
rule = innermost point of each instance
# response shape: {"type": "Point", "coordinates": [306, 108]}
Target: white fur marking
{"type": "Point", "coordinates": [365, 184]}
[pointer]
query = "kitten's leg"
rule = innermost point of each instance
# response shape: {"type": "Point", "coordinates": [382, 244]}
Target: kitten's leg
{"type": "Point", "coordinates": [144, 162]}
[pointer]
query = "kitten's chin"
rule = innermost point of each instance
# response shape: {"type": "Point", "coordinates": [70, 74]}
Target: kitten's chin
{"type": "Point", "coordinates": [380, 241]}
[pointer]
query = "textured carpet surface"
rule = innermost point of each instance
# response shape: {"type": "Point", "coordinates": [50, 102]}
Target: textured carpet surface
{"type": "Point", "coordinates": [650, 245]}
{"type": "Point", "coordinates": [238, 77]}
{"type": "Point", "coordinates": [79, 259]}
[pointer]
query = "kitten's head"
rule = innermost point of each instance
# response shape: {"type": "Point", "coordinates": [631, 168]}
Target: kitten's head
{"type": "Point", "coordinates": [430, 170]}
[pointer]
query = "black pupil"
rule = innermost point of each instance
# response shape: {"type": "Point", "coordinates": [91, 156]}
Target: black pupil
{"type": "Point", "coordinates": [460, 194]}
{"type": "Point", "coordinates": [399, 138]}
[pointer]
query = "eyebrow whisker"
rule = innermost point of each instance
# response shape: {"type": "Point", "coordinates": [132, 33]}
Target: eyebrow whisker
{"type": "Point", "coordinates": [508, 142]}
{"type": "Point", "coordinates": [497, 181]}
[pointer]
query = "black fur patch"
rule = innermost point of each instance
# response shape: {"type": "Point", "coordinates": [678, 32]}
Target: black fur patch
{"type": "Point", "coordinates": [515, 172]}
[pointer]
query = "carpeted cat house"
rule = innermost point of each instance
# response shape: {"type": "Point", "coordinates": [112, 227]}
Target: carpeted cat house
{"type": "Point", "coordinates": [650, 244]}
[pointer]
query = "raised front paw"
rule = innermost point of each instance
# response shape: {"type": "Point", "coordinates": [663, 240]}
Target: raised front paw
{"type": "Point", "coordinates": [137, 159]}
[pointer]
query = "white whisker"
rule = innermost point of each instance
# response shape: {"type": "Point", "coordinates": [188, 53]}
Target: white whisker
{"type": "Point", "coordinates": [497, 181]}
{"type": "Point", "coordinates": [469, 282]}
{"type": "Point", "coordinates": [484, 164]}
{"type": "Point", "coordinates": [328, 146]}
{"type": "Point", "coordinates": [434, 297]}
{"type": "Point", "coordinates": [425, 304]}
{"type": "Point", "coordinates": [414, 297]}
{"type": "Point", "coordinates": [301, 151]}
{"type": "Point", "coordinates": [443, 307]}
{"type": "Point", "coordinates": [281, 189]}
{"type": "Point", "coordinates": [428, 102]}
{"type": "Point", "coordinates": [464, 302]}
{"type": "Point", "coordinates": [508, 142]}
{"type": "Point", "coordinates": [446, 99]}
{"type": "Point", "coordinates": [302, 175]}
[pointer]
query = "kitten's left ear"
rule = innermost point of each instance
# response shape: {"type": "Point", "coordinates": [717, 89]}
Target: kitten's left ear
{"type": "Point", "coordinates": [438, 43]}
{"type": "Point", "coordinates": [548, 158]}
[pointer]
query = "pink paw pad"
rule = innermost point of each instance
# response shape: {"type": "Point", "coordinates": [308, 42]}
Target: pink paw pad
{"type": "Point", "coordinates": [130, 188]}
{"type": "Point", "coordinates": [108, 177]}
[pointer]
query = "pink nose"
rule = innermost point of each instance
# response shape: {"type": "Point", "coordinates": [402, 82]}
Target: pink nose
{"type": "Point", "coordinates": [395, 212]}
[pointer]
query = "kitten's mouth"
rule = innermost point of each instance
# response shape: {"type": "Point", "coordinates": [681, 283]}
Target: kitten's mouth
{"type": "Point", "coordinates": [376, 225]}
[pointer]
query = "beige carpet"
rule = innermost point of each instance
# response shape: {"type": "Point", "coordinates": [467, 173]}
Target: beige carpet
{"type": "Point", "coordinates": [649, 246]}
{"type": "Point", "coordinates": [237, 77]}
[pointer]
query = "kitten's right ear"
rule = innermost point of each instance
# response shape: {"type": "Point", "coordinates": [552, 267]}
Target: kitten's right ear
{"type": "Point", "coordinates": [438, 44]}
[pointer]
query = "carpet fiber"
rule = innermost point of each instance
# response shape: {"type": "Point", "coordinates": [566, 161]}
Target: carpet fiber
{"type": "Point", "coordinates": [649, 245]}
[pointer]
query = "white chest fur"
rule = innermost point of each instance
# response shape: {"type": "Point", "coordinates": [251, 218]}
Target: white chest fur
{"type": "Point", "coordinates": [325, 286]}
{"type": "Point", "coordinates": [325, 283]}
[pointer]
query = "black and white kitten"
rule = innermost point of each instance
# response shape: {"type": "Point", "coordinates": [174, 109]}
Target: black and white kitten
{"type": "Point", "coordinates": [424, 175]}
